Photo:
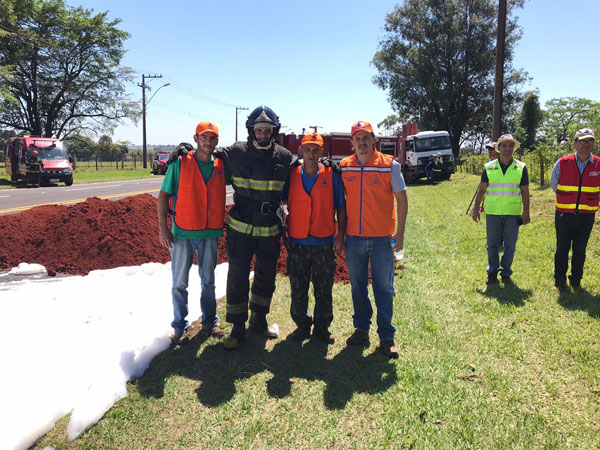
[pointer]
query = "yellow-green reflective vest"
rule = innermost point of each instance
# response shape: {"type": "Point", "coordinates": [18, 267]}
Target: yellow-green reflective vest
{"type": "Point", "coordinates": [503, 195]}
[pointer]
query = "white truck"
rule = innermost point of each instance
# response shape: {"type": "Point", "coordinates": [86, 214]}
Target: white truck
{"type": "Point", "coordinates": [418, 146]}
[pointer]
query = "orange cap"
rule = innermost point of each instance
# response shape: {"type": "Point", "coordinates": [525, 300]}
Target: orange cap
{"type": "Point", "coordinates": [207, 128]}
{"type": "Point", "coordinates": [313, 138]}
{"type": "Point", "coordinates": [361, 125]}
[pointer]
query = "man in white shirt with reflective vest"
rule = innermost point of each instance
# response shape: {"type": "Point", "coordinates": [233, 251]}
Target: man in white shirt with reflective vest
{"type": "Point", "coordinates": [576, 181]}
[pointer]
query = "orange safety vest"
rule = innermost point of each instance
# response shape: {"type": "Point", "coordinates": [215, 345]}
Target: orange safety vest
{"type": "Point", "coordinates": [199, 206]}
{"type": "Point", "coordinates": [369, 196]}
{"type": "Point", "coordinates": [578, 193]}
{"type": "Point", "coordinates": [311, 214]}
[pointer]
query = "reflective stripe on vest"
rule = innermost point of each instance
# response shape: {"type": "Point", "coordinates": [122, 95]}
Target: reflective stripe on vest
{"type": "Point", "coordinates": [578, 192]}
{"type": "Point", "coordinates": [311, 214]}
{"type": "Point", "coordinates": [503, 195]}
{"type": "Point", "coordinates": [369, 197]}
{"type": "Point", "coordinates": [199, 206]}
{"type": "Point", "coordinates": [248, 228]}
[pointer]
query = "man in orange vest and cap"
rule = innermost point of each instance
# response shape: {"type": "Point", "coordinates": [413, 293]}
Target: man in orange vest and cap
{"type": "Point", "coordinates": [193, 192]}
{"type": "Point", "coordinates": [314, 193]}
{"type": "Point", "coordinates": [576, 180]}
{"type": "Point", "coordinates": [372, 180]}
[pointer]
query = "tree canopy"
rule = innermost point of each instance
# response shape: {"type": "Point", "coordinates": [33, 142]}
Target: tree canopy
{"type": "Point", "coordinates": [437, 62]}
{"type": "Point", "coordinates": [60, 67]}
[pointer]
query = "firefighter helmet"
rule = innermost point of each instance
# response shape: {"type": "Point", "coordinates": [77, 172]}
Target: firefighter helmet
{"type": "Point", "coordinates": [34, 153]}
{"type": "Point", "coordinates": [263, 115]}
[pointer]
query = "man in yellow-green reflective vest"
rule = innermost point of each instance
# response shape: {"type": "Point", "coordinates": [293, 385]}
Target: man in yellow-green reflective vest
{"type": "Point", "coordinates": [505, 184]}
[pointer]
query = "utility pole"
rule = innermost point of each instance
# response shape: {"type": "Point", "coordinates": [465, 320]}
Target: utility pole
{"type": "Point", "coordinates": [144, 86]}
{"type": "Point", "coordinates": [238, 108]}
{"type": "Point", "coordinates": [314, 127]}
{"type": "Point", "coordinates": [499, 81]}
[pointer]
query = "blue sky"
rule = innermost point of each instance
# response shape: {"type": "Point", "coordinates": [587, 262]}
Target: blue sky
{"type": "Point", "coordinates": [309, 60]}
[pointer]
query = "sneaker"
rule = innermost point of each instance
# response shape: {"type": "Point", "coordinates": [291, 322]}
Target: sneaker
{"type": "Point", "coordinates": [300, 334]}
{"type": "Point", "coordinates": [389, 349]}
{"type": "Point", "coordinates": [358, 337]}
{"type": "Point", "coordinates": [179, 338]}
{"type": "Point", "coordinates": [324, 335]}
{"type": "Point", "coordinates": [272, 331]}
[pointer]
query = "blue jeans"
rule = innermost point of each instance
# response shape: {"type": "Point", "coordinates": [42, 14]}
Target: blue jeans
{"type": "Point", "coordinates": [498, 228]}
{"type": "Point", "coordinates": [359, 250]}
{"type": "Point", "coordinates": [182, 257]}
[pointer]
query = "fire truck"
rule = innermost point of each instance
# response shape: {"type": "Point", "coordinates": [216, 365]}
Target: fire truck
{"type": "Point", "coordinates": [412, 149]}
{"type": "Point", "coordinates": [55, 165]}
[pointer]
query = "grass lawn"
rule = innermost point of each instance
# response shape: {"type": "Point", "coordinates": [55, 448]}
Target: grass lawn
{"type": "Point", "coordinates": [86, 173]}
{"type": "Point", "coordinates": [505, 367]}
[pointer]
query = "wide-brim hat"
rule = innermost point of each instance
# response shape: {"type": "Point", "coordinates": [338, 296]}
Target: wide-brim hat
{"type": "Point", "coordinates": [507, 138]}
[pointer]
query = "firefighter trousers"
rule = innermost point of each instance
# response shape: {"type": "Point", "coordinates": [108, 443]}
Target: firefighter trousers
{"type": "Point", "coordinates": [240, 250]}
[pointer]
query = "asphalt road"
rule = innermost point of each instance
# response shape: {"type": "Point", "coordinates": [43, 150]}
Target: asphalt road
{"type": "Point", "coordinates": [17, 200]}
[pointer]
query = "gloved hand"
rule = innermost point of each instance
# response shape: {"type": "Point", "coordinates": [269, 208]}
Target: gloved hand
{"type": "Point", "coordinates": [182, 149]}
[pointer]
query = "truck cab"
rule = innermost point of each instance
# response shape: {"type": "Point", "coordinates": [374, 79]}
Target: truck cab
{"type": "Point", "coordinates": [55, 165]}
{"type": "Point", "coordinates": [419, 147]}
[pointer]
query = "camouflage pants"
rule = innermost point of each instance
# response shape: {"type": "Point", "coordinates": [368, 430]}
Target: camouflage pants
{"type": "Point", "coordinates": [316, 262]}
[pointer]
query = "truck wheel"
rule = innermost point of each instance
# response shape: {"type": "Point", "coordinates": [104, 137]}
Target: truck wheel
{"type": "Point", "coordinates": [69, 182]}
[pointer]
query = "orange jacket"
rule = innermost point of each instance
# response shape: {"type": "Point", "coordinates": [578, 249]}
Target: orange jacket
{"type": "Point", "coordinates": [199, 206]}
{"type": "Point", "coordinates": [311, 214]}
{"type": "Point", "coordinates": [369, 196]}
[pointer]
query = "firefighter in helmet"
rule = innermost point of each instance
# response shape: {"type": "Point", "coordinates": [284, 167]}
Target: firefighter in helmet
{"type": "Point", "coordinates": [259, 170]}
{"type": "Point", "coordinates": [33, 170]}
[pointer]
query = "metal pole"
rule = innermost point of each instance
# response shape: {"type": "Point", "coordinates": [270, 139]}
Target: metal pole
{"type": "Point", "coordinates": [144, 87]}
{"type": "Point", "coordinates": [499, 81]}
{"type": "Point", "coordinates": [238, 108]}
{"type": "Point", "coordinates": [144, 121]}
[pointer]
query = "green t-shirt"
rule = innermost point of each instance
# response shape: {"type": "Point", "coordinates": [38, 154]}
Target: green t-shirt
{"type": "Point", "coordinates": [170, 185]}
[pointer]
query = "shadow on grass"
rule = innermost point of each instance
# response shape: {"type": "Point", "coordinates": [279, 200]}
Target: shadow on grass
{"type": "Point", "coordinates": [5, 182]}
{"type": "Point", "coordinates": [507, 294]}
{"type": "Point", "coordinates": [218, 370]}
{"type": "Point", "coordinates": [580, 301]}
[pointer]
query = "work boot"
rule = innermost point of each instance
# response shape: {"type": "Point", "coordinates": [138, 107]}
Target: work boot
{"type": "Point", "coordinates": [214, 331]}
{"type": "Point", "coordinates": [389, 349]}
{"type": "Point", "coordinates": [506, 279]}
{"type": "Point", "coordinates": [179, 338]}
{"type": "Point", "coordinates": [323, 334]}
{"type": "Point", "coordinates": [358, 337]}
{"type": "Point", "coordinates": [238, 332]}
{"type": "Point", "coordinates": [258, 322]}
{"type": "Point", "coordinates": [300, 334]}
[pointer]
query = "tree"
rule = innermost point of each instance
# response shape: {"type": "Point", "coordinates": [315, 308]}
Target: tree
{"type": "Point", "coordinates": [61, 65]}
{"type": "Point", "coordinates": [529, 121]}
{"type": "Point", "coordinates": [437, 62]}
{"type": "Point", "coordinates": [564, 116]}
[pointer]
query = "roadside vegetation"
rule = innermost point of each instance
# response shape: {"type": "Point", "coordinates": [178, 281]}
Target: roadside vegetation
{"type": "Point", "coordinates": [502, 367]}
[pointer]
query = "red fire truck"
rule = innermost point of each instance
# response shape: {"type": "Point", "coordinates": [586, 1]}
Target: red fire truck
{"type": "Point", "coordinates": [411, 149]}
{"type": "Point", "coordinates": [55, 165]}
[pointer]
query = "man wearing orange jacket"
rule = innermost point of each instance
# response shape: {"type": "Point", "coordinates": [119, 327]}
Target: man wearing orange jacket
{"type": "Point", "coordinates": [372, 180]}
{"type": "Point", "coordinates": [314, 193]}
{"type": "Point", "coordinates": [193, 192]}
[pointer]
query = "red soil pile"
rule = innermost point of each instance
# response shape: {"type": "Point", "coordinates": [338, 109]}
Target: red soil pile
{"type": "Point", "coordinates": [96, 234]}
